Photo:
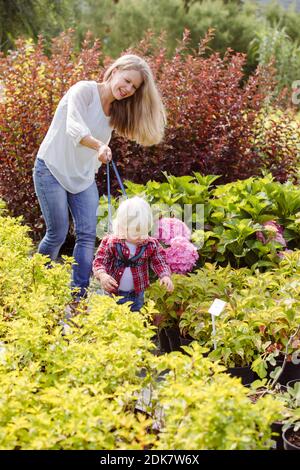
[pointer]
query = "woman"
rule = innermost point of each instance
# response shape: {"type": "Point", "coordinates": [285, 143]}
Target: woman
{"type": "Point", "coordinates": [76, 144]}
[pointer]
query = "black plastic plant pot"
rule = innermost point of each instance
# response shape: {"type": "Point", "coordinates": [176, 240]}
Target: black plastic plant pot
{"type": "Point", "coordinates": [291, 383]}
{"type": "Point", "coordinates": [245, 373]}
{"type": "Point", "coordinates": [164, 344]}
{"type": "Point", "coordinates": [286, 435]}
{"type": "Point", "coordinates": [291, 372]}
{"type": "Point", "coordinates": [186, 341]}
{"type": "Point", "coordinates": [174, 338]}
{"type": "Point", "coordinates": [171, 340]}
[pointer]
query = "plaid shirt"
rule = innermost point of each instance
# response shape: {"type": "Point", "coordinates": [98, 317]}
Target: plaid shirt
{"type": "Point", "coordinates": [107, 256]}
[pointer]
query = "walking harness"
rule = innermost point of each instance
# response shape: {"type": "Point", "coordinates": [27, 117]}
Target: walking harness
{"type": "Point", "coordinates": [132, 262]}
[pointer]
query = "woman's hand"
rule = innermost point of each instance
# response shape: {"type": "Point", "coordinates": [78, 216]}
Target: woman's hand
{"type": "Point", "coordinates": [104, 153]}
{"type": "Point", "coordinates": [167, 282]}
{"type": "Point", "coordinates": [107, 282]}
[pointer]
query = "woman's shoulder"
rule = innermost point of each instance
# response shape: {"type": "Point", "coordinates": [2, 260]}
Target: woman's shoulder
{"type": "Point", "coordinates": [84, 86]}
{"type": "Point", "coordinates": [85, 83]}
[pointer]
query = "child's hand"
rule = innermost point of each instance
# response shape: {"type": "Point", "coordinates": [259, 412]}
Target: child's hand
{"type": "Point", "coordinates": [167, 282]}
{"type": "Point", "coordinates": [107, 282]}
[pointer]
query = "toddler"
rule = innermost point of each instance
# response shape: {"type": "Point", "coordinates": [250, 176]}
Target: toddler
{"type": "Point", "coordinates": [123, 258]}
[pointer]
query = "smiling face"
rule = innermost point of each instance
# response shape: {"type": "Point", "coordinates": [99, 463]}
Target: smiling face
{"type": "Point", "coordinates": [124, 83]}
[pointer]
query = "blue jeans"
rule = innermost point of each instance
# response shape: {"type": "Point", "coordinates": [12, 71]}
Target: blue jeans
{"type": "Point", "coordinates": [137, 300]}
{"type": "Point", "coordinates": [55, 203]}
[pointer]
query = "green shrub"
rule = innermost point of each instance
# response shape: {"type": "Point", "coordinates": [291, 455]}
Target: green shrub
{"type": "Point", "coordinates": [273, 43]}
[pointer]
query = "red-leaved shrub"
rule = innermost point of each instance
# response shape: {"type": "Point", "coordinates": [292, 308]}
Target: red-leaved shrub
{"type": "Point", "coordinates": [213, 124]}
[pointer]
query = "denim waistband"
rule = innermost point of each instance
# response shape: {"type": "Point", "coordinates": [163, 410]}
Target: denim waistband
{"type": "Point", "coordinates": [127, 292]}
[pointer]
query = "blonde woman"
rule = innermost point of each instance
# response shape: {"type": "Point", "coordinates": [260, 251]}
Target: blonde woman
{"type": "Point", "coordinates": [76, 145]}
{"type": "Point", "coordinates": [123, 258]}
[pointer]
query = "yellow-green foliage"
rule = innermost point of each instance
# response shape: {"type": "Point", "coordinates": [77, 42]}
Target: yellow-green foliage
{"type": "Point", "coordinates": [76, 391]}
{"type": "Point", "coordinates": [212, 412]}
{"type": "Point", "coordinates": [26, 283]}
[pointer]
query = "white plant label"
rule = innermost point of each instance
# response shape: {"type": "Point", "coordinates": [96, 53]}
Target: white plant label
{"type": "Point", "coordinates": [217, 307]}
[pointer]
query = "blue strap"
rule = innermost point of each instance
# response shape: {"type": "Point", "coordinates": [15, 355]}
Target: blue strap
{"type": "Point", "coordinates": [119, 179]}
{"type": "Point", "coordinates": [109, 199]}
{"type": "Point", "coordinates": [108, 191]}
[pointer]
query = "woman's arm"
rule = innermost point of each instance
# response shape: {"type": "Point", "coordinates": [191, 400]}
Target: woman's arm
{"type": "Point", "coordinates": [104, 152]}
{"type": "Point", "coordinates": [79, 98]}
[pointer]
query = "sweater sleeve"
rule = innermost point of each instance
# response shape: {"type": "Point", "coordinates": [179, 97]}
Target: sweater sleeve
{"type": "Point", "coordinates": [79, 98]}
{"type": "Point", "coordinates": [158, 261]}
{"type": "Point", "coordinates": [103, 257]}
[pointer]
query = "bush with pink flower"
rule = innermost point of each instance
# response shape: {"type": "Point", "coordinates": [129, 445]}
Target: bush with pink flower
{"type": "Point", "coordinates": [181, 254]}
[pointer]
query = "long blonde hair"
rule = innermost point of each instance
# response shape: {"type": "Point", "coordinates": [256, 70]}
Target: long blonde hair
{"type": "Point", "coordinates": [140, 117]}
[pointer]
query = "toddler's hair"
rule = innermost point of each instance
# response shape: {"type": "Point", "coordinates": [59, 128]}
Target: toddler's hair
{"type": "Point", "coordinates": [133, 219]}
